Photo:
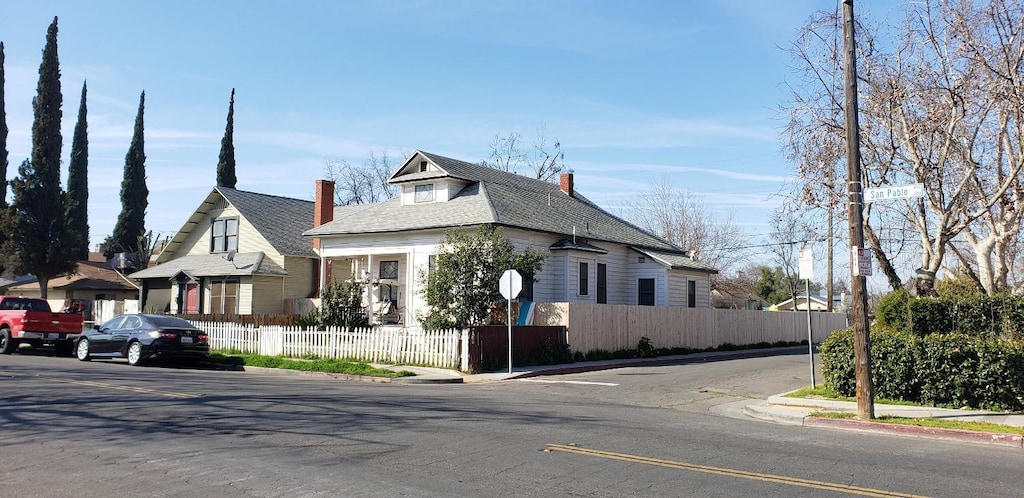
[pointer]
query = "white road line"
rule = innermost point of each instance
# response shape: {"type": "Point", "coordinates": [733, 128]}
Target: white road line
{"type": "Point", "coordinates": [579, 382]}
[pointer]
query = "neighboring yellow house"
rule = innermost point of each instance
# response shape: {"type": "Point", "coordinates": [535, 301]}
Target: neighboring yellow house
{"type": "Point", "coordinates": [239, 253]}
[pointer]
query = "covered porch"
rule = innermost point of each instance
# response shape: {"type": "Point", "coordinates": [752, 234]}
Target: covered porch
{"type": "Point", "coordinates": [388, 281]}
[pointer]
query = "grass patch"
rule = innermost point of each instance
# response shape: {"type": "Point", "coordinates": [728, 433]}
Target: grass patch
{"type": "Point", "coordinates": [836, 415]}
{"type": "Point", "coordinates": [946, 423]}
{"type": "Point", "coordinates": [937, 423]}
{"type": "Point", "coordinates": [306, 365]}
{"type": "Point", "coordinates": [822, 392]}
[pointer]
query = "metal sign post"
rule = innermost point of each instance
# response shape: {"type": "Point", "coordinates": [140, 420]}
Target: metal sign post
{"type": "Point", "coordinates": [510, 285]}
{"type": "Point", "coordinates": [807, 273]}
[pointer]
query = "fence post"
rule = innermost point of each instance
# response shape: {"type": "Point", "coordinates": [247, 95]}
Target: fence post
{"type": "Point", "coordinates": [464, 350]}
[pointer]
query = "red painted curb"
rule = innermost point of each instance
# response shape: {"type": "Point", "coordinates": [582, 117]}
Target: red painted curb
{"type": "Point", "coordinates": [1011, 440]}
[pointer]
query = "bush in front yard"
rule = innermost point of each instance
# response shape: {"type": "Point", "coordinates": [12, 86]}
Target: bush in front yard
{"type": "Point", "coordinates": [956, 370]}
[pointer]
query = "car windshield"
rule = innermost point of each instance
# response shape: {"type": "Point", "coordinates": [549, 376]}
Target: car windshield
{"type": "Point", "coordinates": [169, 322]}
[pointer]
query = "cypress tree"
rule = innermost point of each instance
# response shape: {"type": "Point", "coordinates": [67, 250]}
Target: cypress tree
{"type": "Point", "coordinates": [4, 217]}
{"type": "Point", "coordinates": [130, 227]}
{"type": "Point", "coordinates": [3, 137]}
{"type": "Point", "coordinates": [78, 185]}
{"type": "Point", "coordinates": [40, 236]}
{"type": "Point", "coordinates": [226, 164]}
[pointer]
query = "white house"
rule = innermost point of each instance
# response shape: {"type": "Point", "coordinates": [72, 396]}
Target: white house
{"type": "Point", "coordinates": [592, 255]}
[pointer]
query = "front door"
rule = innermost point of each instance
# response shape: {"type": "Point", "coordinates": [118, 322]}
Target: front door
{"type": "Point", "coordinates": [192, 299]}
{"type": "Point", "coordinates": [646, 292]}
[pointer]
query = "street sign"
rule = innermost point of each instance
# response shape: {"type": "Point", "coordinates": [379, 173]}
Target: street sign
{"type": "Point", "coordinates": [510, 284]}
{"type": "Point", "coordinates": [892, 192]}
{"type": "Point", "coordinates": [861, 261]}
{"type": "Point", "coordinates": [806, 264]}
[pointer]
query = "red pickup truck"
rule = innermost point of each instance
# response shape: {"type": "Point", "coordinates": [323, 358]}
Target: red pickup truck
{"type": "Point", "coordinates": [30, 320]}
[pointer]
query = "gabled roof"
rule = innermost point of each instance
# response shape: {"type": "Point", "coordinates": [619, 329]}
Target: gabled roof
{"type": "Point", "coordinates": [675, 260]}
{"type": "Point", "coordinates": [491, 197]}
{"type": "Point", "coordinates": [212, 265]}
{"type": "Point", "coordinates": [280, 220]}
{"type": "Point", "coordinates": [93, 273]}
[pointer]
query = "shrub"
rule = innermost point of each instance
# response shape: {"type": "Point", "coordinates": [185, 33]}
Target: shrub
{"type": "Point", "coordinates": [957, 370]}
{"type": "Point", "coordinates": [930, 316]}
{"type": "Point", "coordinates": [644, 348]}
{"type": "Point", "coordinates": [837, 362]}
{"type": "Point", "coordinates": [894, 310]}
{"type": "Point", "coordinates": [553, 353]}
{"type": "Point", "coordinates": [894, 372]}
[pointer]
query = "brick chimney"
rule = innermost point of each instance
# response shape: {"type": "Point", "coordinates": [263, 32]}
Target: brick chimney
{"type": "Point", "coordinates": [565, 183]}
{"type": "Point", "coordinates": [323, 206]}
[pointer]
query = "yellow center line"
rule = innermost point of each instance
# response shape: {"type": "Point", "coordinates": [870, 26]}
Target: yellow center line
{"type": "Point", "coordinates": [793, 481]}
{"type": "Point", "coordinates": [141, 390]}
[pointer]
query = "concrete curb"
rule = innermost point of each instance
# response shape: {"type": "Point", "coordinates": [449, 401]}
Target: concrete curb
{"type": "Point", "coordinates": [1010, 440]}
{"type": "Point", "coordinates": [348, 377]}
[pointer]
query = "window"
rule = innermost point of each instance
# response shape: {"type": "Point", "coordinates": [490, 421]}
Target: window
{"type": "Point", "coordinates": [602, 283]}
{"type": "Point", "coordinates": [425, 193]}
{"type": "Point", "coordinates": [645, 295]}
{"type": "Point", "coordinates": [584, 279]}
{"type": "Point", "coordinates": [224, 296]}
{"type": "Point", "coordinates": [389, 270]}
{"type": "Point", "coordinates": [527, 293]}
{"type": "Point", "coordinates": [423, 166]}
{"type": "Point", "coordinates": [225, 235]}
{"type": "Point", "coordinates": [691, 293]}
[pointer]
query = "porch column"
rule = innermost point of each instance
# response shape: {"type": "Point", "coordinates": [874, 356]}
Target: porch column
{"type": "Point", "coordinates": [410, 279]}
{"type": "Point", "coordinates": [323, 276]}
{"type": "Point", "coordinates": [369, 288]}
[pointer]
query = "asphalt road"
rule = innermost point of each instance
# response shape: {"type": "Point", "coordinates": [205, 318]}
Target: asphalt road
{"type": "Point", "coordinates": [103, 429]}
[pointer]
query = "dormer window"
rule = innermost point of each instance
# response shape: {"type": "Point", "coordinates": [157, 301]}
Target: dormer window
{"type": "Point", "coordinates": [423, 166]}
{"type": "Point", "coordinates": [225, 235]}
{"type": "Point", "coordinates": [425, 193]}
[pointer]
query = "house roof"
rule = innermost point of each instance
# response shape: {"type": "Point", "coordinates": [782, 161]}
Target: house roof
{"type": "Point", "coordinates": [280, 220]}
{"type": "Point", "coordinates": [495, 197]}
{"type": "Point", "coordinates": [675, 260]}
{"type": "Point", "coordinates": [208, 265]}
{"type": "Point", "coordinates": [90, 274]}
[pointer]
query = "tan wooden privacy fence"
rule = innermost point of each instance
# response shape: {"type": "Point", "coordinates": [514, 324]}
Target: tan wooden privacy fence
{"type": "Point", "coordinates": [392, 345]}
{"type": "Point", "coordinates": [614, 327]}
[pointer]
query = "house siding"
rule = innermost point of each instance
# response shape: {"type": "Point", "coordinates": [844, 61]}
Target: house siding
{"type": "Point", "coordinates": [249, 239]}
{"type": "Point", "coordinates": [301, 275]}
{"type": "Point", "coordinates": [266, 295]}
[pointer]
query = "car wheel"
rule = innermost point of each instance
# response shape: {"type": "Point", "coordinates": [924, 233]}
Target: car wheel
{"type": "Point", "coordinates": [82, 350]}
{"type": "Point", "coordinates": [134, 353]}
{"type": "Point", "coordinates": [7, 345]}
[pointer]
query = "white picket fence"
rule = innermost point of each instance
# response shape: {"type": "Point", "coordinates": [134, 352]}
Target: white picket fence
{"type": "Point", "coordinates": [390, 345]}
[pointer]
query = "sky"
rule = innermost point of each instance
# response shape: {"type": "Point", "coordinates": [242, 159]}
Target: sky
{"type": "Point", "coordinates": [636, 92]}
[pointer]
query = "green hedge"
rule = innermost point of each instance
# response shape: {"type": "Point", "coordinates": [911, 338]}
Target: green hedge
{"type": "Point", "coordinates": [958, 370]}
{"type": "Point", "coordinates": [1000, 315]}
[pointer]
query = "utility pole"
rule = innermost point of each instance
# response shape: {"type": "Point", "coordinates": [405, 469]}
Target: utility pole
{"type": "Point", "coordinates": [830, 293]}
{"type": "Point", "coordinates": [858, 282]}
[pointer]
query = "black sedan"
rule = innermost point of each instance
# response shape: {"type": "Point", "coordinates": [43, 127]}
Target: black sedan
{"type": "Point", "coordinates": [142, 337]}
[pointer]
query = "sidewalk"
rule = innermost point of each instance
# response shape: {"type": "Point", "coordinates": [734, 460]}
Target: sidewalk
{"type": "Point", "coordinates": [425, 375]}
{"type": "Point", "coordinates": [796, 411]}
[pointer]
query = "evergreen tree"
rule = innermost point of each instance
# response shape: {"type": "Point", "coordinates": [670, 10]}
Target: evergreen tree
{"type": "Point", "coordinates": [5, 226]}
{"type": "Point", "coordinates": [78, 185]}
{"type": "Point", "coordinates": [3, 138]}
{"type": "Point", "coordinates": [130, 230]}
{"type": "Point", "coordinates": [226, 164]}
{"type": "Point", "coordinates": [40, 237]}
